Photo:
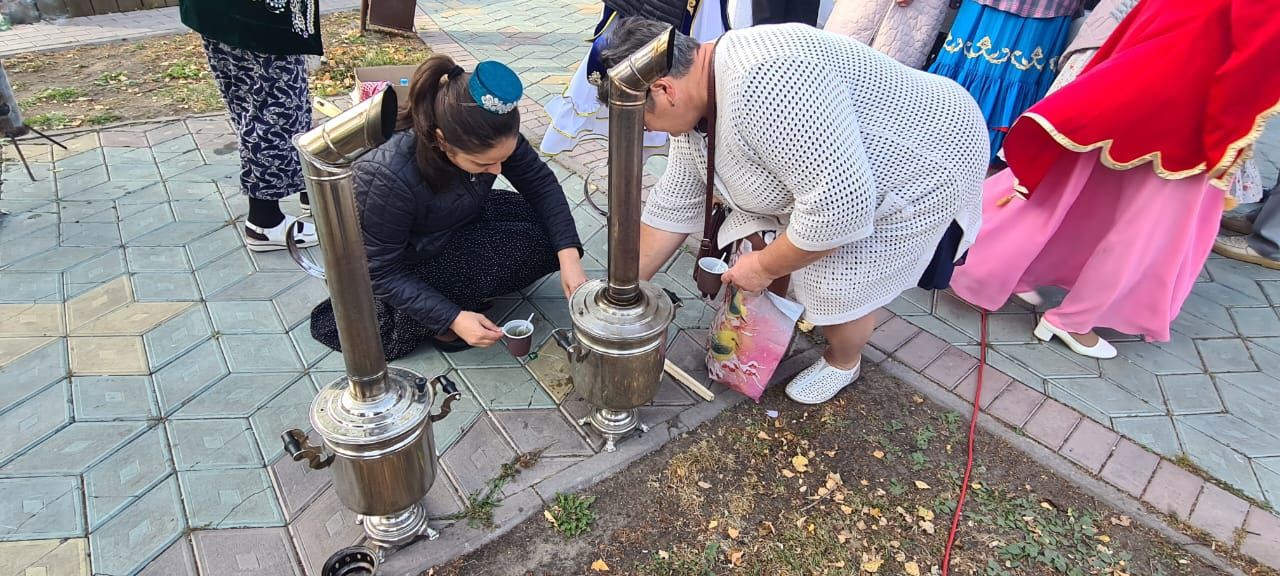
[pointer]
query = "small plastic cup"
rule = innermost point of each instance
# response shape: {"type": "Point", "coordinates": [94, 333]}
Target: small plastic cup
{"type": "Point", "coordinates": [518, 335]}
{"type": "Point", "coordinates": [709, 272]}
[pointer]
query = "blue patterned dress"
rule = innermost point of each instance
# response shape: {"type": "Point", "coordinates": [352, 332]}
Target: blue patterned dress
{"type": "Point", "coordinates": [1006, 60]}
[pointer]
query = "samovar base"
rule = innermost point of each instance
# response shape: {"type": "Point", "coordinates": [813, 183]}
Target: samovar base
{"type": "Point", "coordinates": [614, 425]}
{"type": "Point", "coordinates": [395, 530]}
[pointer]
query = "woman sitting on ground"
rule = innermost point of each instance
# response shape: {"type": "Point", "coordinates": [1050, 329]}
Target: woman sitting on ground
{"type": "Point", "coordinates": [441, 241]}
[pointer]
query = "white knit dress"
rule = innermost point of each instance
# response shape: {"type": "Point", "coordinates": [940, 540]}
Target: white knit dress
{"type": "Point", "coordinates": [841, 147]}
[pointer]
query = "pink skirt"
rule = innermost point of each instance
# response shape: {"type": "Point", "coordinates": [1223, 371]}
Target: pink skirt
{"type": "Point", "coordinates": [1126, 245]}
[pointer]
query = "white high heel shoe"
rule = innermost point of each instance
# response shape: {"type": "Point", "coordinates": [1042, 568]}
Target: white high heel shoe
{"type": "Point", "coordinates": [1103, 350]}
{"type": "Point", "coordinates": [1032, 298]}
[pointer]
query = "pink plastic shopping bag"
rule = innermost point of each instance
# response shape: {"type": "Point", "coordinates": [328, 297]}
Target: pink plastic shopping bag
{"type": "Point", "coordinates": [749, 337]}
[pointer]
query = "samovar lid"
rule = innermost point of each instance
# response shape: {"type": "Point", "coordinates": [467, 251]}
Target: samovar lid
{"type": "Point", "coordinates": [593, 315]}
{"type": "Point", "coordinates": [343, 421]}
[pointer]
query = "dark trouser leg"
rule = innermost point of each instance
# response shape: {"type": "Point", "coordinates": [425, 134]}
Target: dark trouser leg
{"type": "Point", "coordinates": [1266, 228]}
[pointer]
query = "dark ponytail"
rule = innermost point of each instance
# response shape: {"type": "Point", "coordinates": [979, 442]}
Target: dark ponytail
{"type": "Point", "coordinates": [440, 99]}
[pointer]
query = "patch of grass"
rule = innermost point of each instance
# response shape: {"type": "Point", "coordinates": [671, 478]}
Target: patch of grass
{"type": "Point", "coordinates": [184, 70]}
{"type": "Point", "coordinates": [49, 121]}
{"type": "Point", "coordinates": [1038, 536]}
{"type": "Point", "coordinates": [571, 514]}
{"type": "Point", "coordinates": [685, 561]}
{"type": "Point", "coordinates": [58, 95]}
{"type": "Point", "coordinates": [196, 97]}
{"type": "Point", "coordinates": [102, 118]}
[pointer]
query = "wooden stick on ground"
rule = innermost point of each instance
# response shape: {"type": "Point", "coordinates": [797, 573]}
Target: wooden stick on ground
{"type": "Point", "coordinates": [693, 385]}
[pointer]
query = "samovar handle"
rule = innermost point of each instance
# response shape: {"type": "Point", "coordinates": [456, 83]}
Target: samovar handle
{"type": "Point", "coordinates": [446, 385]}
{"type": "Point", "coordinates": [564, 339]}
{"type": "Point", "coordinates": [303, 262]}
{"type": "Point", "coordinates": [300, 448]}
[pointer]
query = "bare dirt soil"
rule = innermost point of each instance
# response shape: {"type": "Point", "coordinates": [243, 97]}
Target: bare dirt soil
{"type": "Point", "coordinates": [865, 484]}
{"type": "Point", "coordinates": [169, 76]}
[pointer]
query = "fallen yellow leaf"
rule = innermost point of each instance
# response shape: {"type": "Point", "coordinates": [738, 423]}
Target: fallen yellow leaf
{"type": "Point", "coordinates": [927, 526]}
{"type": "Point", "coordinates": [763, 435]}
{"type": "Point", "coordinates": [547, 514]}
{"type": "Point", "coordinates": [599, 566]}
{"type": "Point", "coordinates": [713, 524]}
{"type": "Point", "coordinates": [788, 473]}
{"type": "Point", "coordinates": [874, 512]}
{"type": "Point", "coordinates": [830, 453]}
{"type": "Point", "coordinates": [917, 399]}
{"type": "Point", "coordinates": [911, 568]}
{"type": "Point", "coordinates": [800, 463]}
{"type": "Point", "coordinates": [847, 510]}
{"type": "Point", "coordinates": [663, 554]}
{"type": "Point", "coordinates": [878, 454]}
{"type": "Point", "coordinates": [1121, 521]}
{"type": "Point", "coordinates": [733, 533]}
{"type": "Point", "coordinates": [925, 513]}
{"type": "Point", "coordinates": [703, 485]}
{"type": "Point", "coordinates": [1046, 505]}
{"type": "Point", "coordinates": [921, 485]}
{"type": "Point", "coordinates": [1103, 538]}
{"type": "Point", "coordinates": [736, 557]}
{"type": "Point", "coordinates": [871, 564]}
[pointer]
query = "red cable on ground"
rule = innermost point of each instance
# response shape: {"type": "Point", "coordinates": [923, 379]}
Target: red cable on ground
{"type": "Point", "coordinates": [968, 467]}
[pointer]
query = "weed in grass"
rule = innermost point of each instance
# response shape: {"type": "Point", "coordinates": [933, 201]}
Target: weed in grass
{"type": "Point", "coordinates": [480, 504]}
{"type": "Point", "coordinates": [571, 514]}
{"type": "Point", "coordinates": [102, 118]}
{"type": "Point", "coordinates": [49, 121]}
{"type": "Point", "coordinates": [58, 95]}
{"type": "Point", "coordinates": [111, 78]}
{"type": "Point", "coordinates": [183, 70]}
{"type": "Point", "coordinates": [924, 436]}
{"type": "Point", "coordinates": [196, 97]}
{"type": "Point", "coordinates": [952, 421]}
{"type": "Point", "coordinates": [686, 561]}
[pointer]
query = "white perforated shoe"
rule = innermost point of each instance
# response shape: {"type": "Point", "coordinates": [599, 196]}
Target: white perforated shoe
{"type": "Point", "coordinates": [821, 382]}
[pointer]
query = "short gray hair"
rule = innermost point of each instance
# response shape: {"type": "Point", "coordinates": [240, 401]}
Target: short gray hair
{"type": "Point", "coordinates": [628, 35]}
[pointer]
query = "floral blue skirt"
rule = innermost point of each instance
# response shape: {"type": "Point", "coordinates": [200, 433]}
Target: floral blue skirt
{"type": "Point", "coordinates": [1006, 61]}
{"type": "Point", "coordinates": [266, 97]}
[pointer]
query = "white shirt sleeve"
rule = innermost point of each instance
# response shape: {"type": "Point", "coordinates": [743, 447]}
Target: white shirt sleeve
{"type": "Point", "coordinates": [678, 201]}
{"type": "Point", "coordinates": [799, 119]}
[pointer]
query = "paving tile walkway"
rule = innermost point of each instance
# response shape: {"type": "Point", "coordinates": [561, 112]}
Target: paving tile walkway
{"type": "Point", "coordinates": [148, 362]}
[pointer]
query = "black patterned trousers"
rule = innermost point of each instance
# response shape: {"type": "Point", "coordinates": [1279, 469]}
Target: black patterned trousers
{"type": "Point", "coordinates": [504, 251]}
{"type": "Point", "coordinates": [266, 96]}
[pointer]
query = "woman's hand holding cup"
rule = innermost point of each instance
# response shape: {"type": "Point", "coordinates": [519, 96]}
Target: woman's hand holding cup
{"type": "Point", "coordinates": [476, 329]}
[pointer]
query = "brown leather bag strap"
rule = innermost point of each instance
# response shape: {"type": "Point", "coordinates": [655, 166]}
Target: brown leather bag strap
{"type": "Point", "coordinates": [708, 224]}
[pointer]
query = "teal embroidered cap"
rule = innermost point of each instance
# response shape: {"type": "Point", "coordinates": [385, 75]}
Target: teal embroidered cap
{"type": "Point", "coordinates": [495, 87]}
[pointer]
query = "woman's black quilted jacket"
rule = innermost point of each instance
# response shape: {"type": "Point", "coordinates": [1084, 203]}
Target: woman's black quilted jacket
{"type": "Point", "coordinates": [404, 218]}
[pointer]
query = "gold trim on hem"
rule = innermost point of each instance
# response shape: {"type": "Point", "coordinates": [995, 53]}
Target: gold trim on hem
{"type": "Point", "coordinates": [1107, 160]}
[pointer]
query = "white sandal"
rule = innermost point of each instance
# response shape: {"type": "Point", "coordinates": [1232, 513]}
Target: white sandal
{"type": "Point", "coordinates": [821, 382]}
{"type": "Point", "coordinates": [1103, 350]}
{"type": "Point", "coordinates": [267, 239]}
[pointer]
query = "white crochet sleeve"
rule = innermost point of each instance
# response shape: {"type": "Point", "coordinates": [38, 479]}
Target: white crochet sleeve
{"type": "Point", "coordinates": [798, 118]}
{"type": "Point", "coordinates": [678, 201]}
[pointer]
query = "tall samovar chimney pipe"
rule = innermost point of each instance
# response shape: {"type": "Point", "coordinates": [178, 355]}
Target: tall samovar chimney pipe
{"type": "Point", "coordinates": [619, 344]}
{"type": "Point", "coordinates": [375, 421]}
{"type": "Point", "coordinates": [628, 94]}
